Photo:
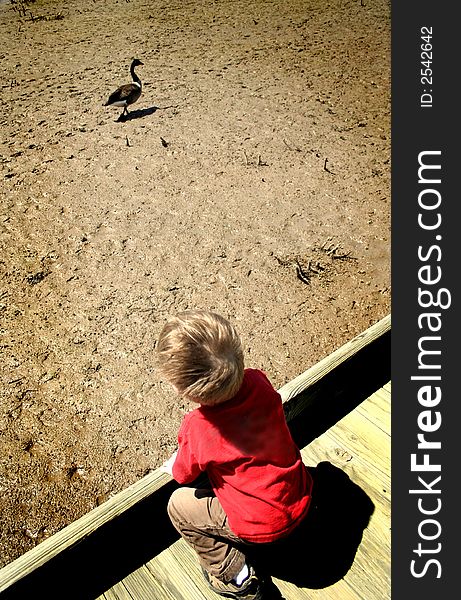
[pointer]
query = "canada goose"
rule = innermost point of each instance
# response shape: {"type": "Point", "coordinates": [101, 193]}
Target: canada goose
{"type": "Point", "coordinates": [127, 94]}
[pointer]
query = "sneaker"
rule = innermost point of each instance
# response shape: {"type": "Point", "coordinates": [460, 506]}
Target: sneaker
{"type": "Point", "coordinates": [249, 590]}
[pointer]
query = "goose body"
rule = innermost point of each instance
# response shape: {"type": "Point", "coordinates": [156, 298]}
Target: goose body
{"type": "Point", "coordinates": [129, 93]}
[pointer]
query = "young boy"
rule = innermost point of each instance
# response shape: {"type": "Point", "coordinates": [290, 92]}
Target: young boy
{"type": "Point", "coordinates": [260, 489]}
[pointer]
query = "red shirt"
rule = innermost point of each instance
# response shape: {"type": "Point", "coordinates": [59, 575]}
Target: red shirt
{"type": "Point", "coordinates": [253, 464]}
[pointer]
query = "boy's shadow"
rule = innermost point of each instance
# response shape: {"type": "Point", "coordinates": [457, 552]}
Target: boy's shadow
{"type": "Point", "coordinates": [322, 549]}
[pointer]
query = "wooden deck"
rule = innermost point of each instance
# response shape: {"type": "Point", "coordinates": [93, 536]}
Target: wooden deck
{"type": "Point", "coordinates": [339, 414]}
{"type": "Point", "coordinates": [360, 446]}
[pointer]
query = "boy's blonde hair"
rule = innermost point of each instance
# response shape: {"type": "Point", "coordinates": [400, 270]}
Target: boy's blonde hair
{"type": "Point", "coordinates": [200, 354]}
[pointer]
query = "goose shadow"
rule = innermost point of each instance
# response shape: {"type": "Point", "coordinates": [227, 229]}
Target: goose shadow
{"type": "Point", "coordinates": [137, 114]}
{"type": "Point", "coordinates": [322, 549]}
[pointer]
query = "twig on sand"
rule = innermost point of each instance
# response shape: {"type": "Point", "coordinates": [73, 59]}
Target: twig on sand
{"type": "Point", "coordinates": [301, 273]}
{"type": "Point", "coordinates": [295, 148]}
{"type": "Point", "coordinates": [259, 163]}
{"type": "Point", "coordinates": [333, 251]}
{"type": "Point", "coordinates": [325, 168]}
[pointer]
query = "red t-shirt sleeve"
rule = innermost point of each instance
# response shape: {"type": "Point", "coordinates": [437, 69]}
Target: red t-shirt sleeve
{"type": "Point", "coordinates": [186, 467]}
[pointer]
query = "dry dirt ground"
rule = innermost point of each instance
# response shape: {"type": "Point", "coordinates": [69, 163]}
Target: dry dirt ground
{"type": "Point", "coordinates": [252, 177]}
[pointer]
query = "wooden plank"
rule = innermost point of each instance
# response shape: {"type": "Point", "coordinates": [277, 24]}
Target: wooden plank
{"type": "Point", "coordinates": [351, 432]}
{"type": "Point", "coordinates": [187, 562]}
{"type": "Point", "coordinates": [366, 442]}
{"type": "Point", "coordinates": [142, 583]}
{"type": "Point", "coordinates": [300, 383]}
{"type": "Point", "coordinates": [117, 592]}
{"type": "Point", "coordinates": [374, 557]}
{"type": "Point", "coordinates": [378, 411]}
{"type": "Point", "coordinates": [376, 545]}
{"type": "Point", "coordinates": [179, 577]}
{"type": "Point", "coordinates": [367, 579]}
{"type": "Point", "coordinates": [161, 567]}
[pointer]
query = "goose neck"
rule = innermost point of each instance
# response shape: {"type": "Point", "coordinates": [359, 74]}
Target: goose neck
{"type": "Point", "coordinates": [134, 76]}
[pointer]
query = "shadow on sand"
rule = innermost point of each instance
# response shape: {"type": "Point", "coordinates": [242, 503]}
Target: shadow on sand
{"type": "Point", "coordinates": [322, 549]}
{"type": "Point", "coordinates": [137, 114]}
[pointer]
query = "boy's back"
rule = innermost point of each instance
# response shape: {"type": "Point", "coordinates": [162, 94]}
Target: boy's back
{"type": "Point", "coordinates": [254, 467]}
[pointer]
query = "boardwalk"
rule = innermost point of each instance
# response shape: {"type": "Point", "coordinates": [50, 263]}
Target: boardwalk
{"type": "Point", "coordinates": [339, 415]}
{"type": "Point", "coordinates": [360, 446]}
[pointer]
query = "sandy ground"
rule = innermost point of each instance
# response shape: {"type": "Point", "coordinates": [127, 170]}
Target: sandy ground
{"type": "Point", "coordinates": [252, 177]}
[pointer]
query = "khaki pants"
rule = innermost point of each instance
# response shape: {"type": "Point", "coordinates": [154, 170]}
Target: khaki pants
{"type": "Point", "coordinates": [200, 519]}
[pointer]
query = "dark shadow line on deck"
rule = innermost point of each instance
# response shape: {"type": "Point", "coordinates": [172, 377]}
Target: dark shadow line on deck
{"type": "Point", "coordinates": [96, 563]}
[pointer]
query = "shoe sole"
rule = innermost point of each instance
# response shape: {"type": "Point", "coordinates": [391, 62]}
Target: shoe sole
{"type": "Point", "coordinates": [235, 595]}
